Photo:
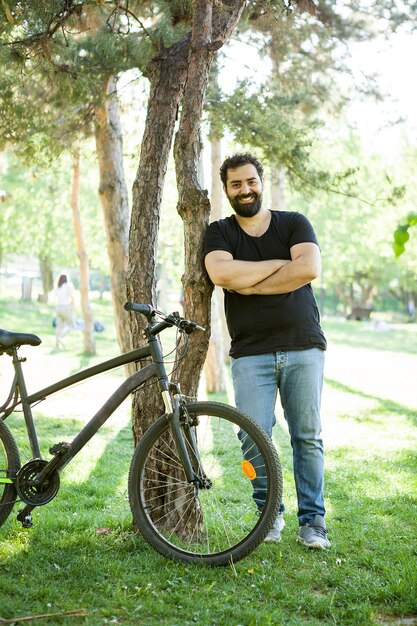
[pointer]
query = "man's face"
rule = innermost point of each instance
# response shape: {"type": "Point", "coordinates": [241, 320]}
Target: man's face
{"type": "Point", "coordinates": [244, 190]}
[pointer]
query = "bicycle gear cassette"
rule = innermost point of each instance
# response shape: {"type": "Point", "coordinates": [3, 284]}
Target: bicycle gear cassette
{"type": "Point", "coordinates": [28, 489]}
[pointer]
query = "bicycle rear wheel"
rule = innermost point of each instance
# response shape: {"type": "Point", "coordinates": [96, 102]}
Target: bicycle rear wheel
{"type": "Point", "coordinates": [219, 523]}
{"type": "Point", "coordinates": [9, 466]}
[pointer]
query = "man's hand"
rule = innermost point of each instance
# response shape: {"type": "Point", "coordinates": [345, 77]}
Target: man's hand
{"type": "Point", "coordinates": [305, 265]}
{"type": "Point", "coordinates": [234, 275]}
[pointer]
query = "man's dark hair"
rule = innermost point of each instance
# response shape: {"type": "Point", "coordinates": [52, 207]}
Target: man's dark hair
{"type": "Point", "coordinates": [231, 163]}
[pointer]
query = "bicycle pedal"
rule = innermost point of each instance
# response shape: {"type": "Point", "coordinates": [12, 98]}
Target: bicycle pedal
{"type": "Point", "coordinates": [25, 519]}
{"type": "Point", "coordinates": [60, 448]}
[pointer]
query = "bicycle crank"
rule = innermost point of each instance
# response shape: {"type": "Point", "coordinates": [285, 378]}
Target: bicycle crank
{"type": "Point", "coordinates": [28, 487]}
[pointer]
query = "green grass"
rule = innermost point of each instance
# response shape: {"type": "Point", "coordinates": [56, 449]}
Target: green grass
{"type": "Point", "coordinates": [374, 335]}
{"type": "Point", "coordinates": [369, 576]}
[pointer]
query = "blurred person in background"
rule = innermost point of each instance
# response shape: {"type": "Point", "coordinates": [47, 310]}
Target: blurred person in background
{"type": "Point", "coordinates": [64, 302]}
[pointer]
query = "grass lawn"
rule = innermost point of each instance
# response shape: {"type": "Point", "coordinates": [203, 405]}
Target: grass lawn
{"type": "Point", "coordinates": [81, 553]}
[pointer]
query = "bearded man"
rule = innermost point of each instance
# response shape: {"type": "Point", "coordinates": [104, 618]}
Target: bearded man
{"type": "Point", "coordinates": [265, 261]}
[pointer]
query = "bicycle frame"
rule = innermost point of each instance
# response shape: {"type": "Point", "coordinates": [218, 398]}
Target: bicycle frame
{"type": "Point", "coordinates": [63, 452]}
{"type": "Point", "coordinates": [21, 396]}
{"type": "Point", "coordinates": [167, 481]}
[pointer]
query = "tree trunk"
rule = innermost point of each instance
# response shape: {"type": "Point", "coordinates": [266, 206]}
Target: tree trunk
{"type": "Point", "coordinates": [167, 73]}
{"type": "Point", "coordinates": [194, 206]}
{"type": "Point", "coordinates": [211, 28]}
{"type": "Point", "coordinates": [46, 277]}
{"type": "Point", "coordinates": [215, 360]}
{"type": "Point", "coordinates": [89, 343]}
{"type": "Point", "coordinates": [114, 200]}
{"type": "Point", "coordinates": [193, 203]}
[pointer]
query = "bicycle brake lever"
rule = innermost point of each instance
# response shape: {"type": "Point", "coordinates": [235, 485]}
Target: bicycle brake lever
{"type": "Point", "coordinates": [189, 327]}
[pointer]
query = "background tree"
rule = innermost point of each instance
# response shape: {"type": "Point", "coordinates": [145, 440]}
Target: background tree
{"type": "Point", "coordinates": [354, 229]}
{"type": "Point", "coordinates": [88, 328]}
{"type": "Point", "coordinates": [36, 213]}
{"type": "Point", "coordinates": [76, 75]}
{"type": "Point", "coordinates": [168, 73]}
{"type": "Point", "coordinates": [214, 367]}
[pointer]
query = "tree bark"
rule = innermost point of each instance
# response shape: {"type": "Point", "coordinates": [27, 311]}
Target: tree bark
{"type": "Point", "coordinates": [167, 73]}
{"type": "Point", "coordinates": [88, 331]}
{"type": "Point", "coordinates": [115, 203]}
{"type": "Point", "coordinates": [193, 203]}
{"type": "Point", "coordinates": [211, 28]}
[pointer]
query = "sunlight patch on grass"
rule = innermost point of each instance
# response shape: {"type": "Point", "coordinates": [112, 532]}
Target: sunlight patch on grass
{"type": "Point", "coordinates": [386, 375]}
{"type": "Point", "coordinates": [377, 428]}
{"type": "Point", "coordinates": [83, 465]}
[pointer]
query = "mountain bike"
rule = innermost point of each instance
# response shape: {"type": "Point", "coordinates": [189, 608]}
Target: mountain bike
{"type": "Point", "coordinates": [190, 487]}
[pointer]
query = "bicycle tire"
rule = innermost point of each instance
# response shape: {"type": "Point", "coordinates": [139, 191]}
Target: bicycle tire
{"type": "Point", "coordinates": [9, 466]}
{"type": "Point", "coordinates": [223, 522]}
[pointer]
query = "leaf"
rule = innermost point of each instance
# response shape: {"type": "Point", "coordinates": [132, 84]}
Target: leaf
{"type": "Point", "coordinates": [398, 249]}
{"type": "Point", "coordinates": [401, 236]}
{"type": "Point", "coordinates": [103, 531]}
{"type": "Point", "coordinates": [412, 218]}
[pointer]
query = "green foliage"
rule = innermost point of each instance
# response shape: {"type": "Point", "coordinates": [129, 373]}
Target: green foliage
{"type": "Point", "coordinates": [37, 219]}
{"type": "Point", "coordinates": [281, 118]}
{"type": "Point", "coordinates": [302, 41]}
{"type": "Point", "coordinates": [174, 13]}
{"type": "Point", "coordinates": [304, 50]}
{"type": "Point", "coordinates": [401, 234]}
{"type": "Point", "coordinates": [35, 216]}
{"type": "Point", "coordinates": [354, 229]}
{"type": "Point", "coordinates": [54, 77]}
{"type": "Point", "coordinates": [270, 124]}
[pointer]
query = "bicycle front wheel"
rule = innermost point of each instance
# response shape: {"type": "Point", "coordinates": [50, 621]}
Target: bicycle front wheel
{"type": "Point", "coordinates": [9, 466]}
{"type": "Point", "coordinates": [220, 520]}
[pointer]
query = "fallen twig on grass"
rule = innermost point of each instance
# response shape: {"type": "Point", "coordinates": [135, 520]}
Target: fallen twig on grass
{"type": "Point", "coordinates": [30, 618]}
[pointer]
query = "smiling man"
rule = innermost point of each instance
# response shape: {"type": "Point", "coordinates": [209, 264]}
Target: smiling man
{"type": "Point", "coordinates": [265, 261]}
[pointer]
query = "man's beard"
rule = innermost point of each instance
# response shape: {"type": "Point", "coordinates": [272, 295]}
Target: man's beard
{"type": "Point", "coordinates": [246, 209]}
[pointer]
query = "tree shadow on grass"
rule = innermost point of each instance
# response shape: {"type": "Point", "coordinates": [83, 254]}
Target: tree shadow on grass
{"type": "Point", "coordinates": [106, 483]}
{"type": "Point", "coordinates": [64, 543]}
{"type": "Point", "coordinates": [99, 482]}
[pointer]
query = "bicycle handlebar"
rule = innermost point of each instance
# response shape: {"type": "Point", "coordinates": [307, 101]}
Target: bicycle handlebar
{"type": "Point", "coordinates": [174, 319]}
{"type": "Point", "coordinates": [144, 309]}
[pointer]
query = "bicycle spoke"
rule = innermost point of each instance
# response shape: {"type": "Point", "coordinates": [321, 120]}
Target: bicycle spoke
{"type": "Point", "coordinates": [218, 516]}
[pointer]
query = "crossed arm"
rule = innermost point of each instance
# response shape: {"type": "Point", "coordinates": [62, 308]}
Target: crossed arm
{"type": "Point", "coordinates": [265, 277]}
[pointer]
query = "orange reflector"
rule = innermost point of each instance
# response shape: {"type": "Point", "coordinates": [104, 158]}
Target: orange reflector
{"type": "Point", "coordinates": [248, 470]}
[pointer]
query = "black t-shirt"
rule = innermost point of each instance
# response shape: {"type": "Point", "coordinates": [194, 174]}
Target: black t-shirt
{"type": "Point", "coordinates": [268, 323]}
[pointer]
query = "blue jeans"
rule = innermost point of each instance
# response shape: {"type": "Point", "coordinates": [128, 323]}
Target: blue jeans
{"type": "Point", "coordinates": [298, 375]}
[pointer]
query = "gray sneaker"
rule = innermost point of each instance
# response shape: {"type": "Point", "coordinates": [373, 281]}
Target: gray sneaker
{"type": "Point", "coordinates": [275, 532]}
{"type": "Point", "coordinates": [314, 535]}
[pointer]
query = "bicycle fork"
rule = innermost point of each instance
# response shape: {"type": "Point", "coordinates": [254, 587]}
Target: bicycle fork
{"type": "Point", "coordinates": [185, 439]}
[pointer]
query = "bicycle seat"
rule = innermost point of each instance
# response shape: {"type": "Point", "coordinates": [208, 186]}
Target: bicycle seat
{"type": "Point", "coordinates": [14, 340]}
